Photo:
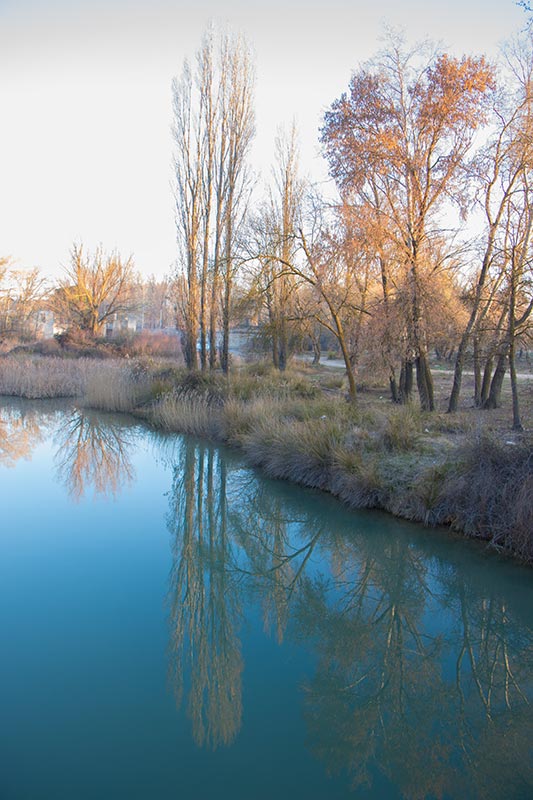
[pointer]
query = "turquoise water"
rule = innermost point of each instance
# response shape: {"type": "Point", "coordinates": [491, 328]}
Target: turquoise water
{"type": "Point", "coordinates": [174, 625]}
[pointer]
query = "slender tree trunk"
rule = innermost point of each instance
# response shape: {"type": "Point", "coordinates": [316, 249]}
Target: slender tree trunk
{"type": "Point", "coordinates": [477, 372]}
{"type": "Point", "coordinates": [424, 382]}
{"type": "Point", "coordinates": [203, 315]}
{"type": "Point", "coordinates": [283, 344]}
{"type": "Point", "coordinates": [215, 286]}
{"type": "Point", "coordinates": [191, 319]}
{"type": "Point", "coordinates": [487, 378]}
{"type": "Point", "coordinates": [394, 392]}
{"type": "Point", "coordinates": [352, 388]}
{"type": "Point", "coordinates": [406, 381]}
{"type": "Point", "coordinates": [517, 422]}
{"type": "Point", "coordinates": [458, 372]}
{"type": "Point", "coordinates": [315, 342]}
{"type": "Point", "coordinates": [275, 347]}
{"type": "Point", "coordinates": [494, 400]}
{"type": "Point", "coordinates": [228, 278]}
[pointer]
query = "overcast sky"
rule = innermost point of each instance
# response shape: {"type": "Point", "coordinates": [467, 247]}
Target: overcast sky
{"type": "Point", "coordinates": [85, 146]}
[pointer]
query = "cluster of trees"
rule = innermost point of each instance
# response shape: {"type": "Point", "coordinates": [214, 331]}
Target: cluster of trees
{"type": "Point", "coordinates": [213, 130]}
{"type": "Point", "coordinates": [96, 288]}
{"type": "Point", "coordinates": [423, 148]}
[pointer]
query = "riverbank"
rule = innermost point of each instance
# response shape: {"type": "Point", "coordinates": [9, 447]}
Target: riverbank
{"type": "Point", "coordinates": [432, 468]}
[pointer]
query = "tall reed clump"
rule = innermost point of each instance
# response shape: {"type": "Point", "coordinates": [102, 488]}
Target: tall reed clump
{"type": "Point", "coordinates": [114, 385]}
{"type": "Point", "coordinates": [187, 412]}
{"type": "Point", "coordinates": [41, 377]}
{"type": "Point", "coordinates": [488, 493]}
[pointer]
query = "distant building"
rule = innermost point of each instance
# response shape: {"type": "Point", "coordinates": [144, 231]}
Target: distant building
{"type": "Point", "coordinates": [123, 324]}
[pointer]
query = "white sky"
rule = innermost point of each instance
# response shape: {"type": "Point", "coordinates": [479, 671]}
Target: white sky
{"type": "Point", "coordinates": [85, 146]}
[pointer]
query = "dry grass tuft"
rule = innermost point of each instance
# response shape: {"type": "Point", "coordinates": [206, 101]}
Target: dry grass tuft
{"type": "Point", "coordinates": [299, 451]}
{"type": "Point", "coordinates": [187, 412]}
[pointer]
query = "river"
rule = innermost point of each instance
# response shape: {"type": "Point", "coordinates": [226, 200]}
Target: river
{"type": "Point", "coordinates": [175, 625]}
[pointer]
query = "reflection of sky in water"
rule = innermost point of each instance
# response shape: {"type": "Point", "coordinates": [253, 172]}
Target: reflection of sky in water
{"type": "Point", "coordinates": [313, 647]}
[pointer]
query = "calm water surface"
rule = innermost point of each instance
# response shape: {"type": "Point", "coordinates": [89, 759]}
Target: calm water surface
{"type": "Point", "coordinates": [173, 625]}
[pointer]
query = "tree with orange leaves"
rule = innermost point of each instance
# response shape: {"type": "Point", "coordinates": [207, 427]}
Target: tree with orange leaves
{"type": "Point", "coordinates": [396, 143]}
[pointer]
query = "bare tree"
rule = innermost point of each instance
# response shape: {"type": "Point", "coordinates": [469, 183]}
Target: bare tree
{"type": "Point", "coordinates": [95, 287]}
{"type": "Point", "coordinates": [188, 172]}
{"type": "Point", "coordinates": [22, 296]}
{"type": "Point", "coordinates": [274, 243]}
{"type": "Point", "coordinates": [501, 168]}
{"type": "Point", "coordinates": [238, 108]}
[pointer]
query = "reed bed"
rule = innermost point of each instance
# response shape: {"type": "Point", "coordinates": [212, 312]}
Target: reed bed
{"type": "Point", "coordinates": [114, 385]}
{"type": "Point", "coordinates": [42, 377]}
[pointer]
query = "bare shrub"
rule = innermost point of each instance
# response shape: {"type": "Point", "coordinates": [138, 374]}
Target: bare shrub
{"type": "Point", "coordinates": [488, 494]}
{"type": "Point", "coordinates": [153, 343]}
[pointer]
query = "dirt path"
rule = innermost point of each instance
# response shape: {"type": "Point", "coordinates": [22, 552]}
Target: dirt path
{"type": "Point", "coordinates": [338, 363]}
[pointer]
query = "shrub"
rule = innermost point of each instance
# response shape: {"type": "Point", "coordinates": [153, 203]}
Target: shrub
{"type": "Point", "coordinates": [152, 343]}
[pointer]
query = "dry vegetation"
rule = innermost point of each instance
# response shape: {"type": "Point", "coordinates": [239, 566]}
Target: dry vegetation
{"type": "Point", "coordinates": [464, 470]}
{"type": "Point", "coordinates": [114, 385]}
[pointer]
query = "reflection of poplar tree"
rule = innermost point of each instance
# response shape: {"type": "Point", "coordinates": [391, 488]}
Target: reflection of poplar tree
{"type": "Point", "coordinates": [94, 451]}
{"type": "Point", "coordinates": [204, 599]}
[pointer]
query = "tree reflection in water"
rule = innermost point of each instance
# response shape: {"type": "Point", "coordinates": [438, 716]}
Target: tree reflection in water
{"type": "Point", "coordinates": [20, 432]}
{"type": "Point", "coordinates": [399, 692]}
{"type": "Point", "coordinates": [94, 451]}
{"type": "Point", "coordinates": [204, 597]}
{"type": "Point", "coordinates": [421, 674]}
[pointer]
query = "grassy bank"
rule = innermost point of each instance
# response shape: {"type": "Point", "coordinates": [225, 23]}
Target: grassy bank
{"type": "Point", "coordinates": [436, 469]}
